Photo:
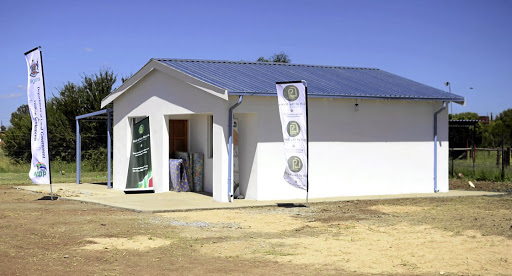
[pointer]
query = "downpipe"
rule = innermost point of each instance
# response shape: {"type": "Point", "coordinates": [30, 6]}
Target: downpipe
{"type": "Point", "coordinates": [435, 146]}
{"type": "Point", "coordinates": [230, 146]}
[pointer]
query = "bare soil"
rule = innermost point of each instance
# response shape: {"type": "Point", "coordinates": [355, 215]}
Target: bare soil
{"type": "Point", "coordinates": [463, 184]}
{"type": "Point", "coordinates": [436, 236]}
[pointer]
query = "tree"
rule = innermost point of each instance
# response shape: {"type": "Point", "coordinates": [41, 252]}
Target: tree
{"type": "Point", "coordinates": [17, 136]}
{"type": "Point", "coordinates": [262, 59]}
{"type": "Point", "coordinates": [123, 79]}
{"type": "Point", "coordinates": [464, 116]}
{"type": "Point", "coordinates": [505, 118]}
{"type": "Point", "coordinates": [75, 100]}
{"type": "Point", "coordinates": [71, 101]}
{"type": "Point", "coordinates": [281, 57]}
{"type": "Point", "coordinates": [3, 128]}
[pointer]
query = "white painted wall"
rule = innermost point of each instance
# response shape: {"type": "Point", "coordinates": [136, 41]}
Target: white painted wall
{"type": "Point", "coordinates": [384, 148]}
{"type": "Point", "coordinates": [161, 96]}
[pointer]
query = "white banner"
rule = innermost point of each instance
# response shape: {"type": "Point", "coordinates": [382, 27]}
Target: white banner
{"type": "Point", "coordinates": [40, 165]}
{"type": "Point", "coordinates": [292, 108]}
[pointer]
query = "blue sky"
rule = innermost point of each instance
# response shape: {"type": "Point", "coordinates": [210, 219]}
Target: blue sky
{"type": "Point", "coordinates": [467, 43]}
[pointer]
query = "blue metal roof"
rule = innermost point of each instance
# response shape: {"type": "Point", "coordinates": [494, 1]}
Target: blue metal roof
{"type": "Point", "coordinates": [259, 78]}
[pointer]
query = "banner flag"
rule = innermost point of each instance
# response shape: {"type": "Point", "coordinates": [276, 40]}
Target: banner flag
{"type": "Point", "coordinates": [40, 165]}
{"type": "Point", "coordinates": [139, 171]}
{"type": "Point", "coordinates": [292, 99]}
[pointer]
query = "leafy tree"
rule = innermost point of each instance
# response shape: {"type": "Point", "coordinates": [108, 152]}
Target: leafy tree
{"type": "Point", "coordinates": [75, 100]}
{"type": "Point", "coordinates": [464, 116]}
{"type": "Point", "coordinates": [123, 79]}
{"type": "Point", "coordinates": [17, 136]}
{"type": "Point", "coordinates": [3, 128]}
{"type": "Point", "coordinates": [505, 118]}
{"type": "Point", "coordinates": [72, 100]}
{"type": "Point", "coordinates": [262, 59]}
{"type": "Point", "coordinates": [280, 57]}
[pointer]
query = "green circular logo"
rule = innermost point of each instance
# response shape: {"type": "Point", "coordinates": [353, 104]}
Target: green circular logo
{"type": "Point", "coordinates": [293, 128]}
{"type": "Point", "coordinates": [294, 164]}
{"type": "Point", "coordinates": [141, 129]}
{"type": "Point", "coordinates": [291, 93]}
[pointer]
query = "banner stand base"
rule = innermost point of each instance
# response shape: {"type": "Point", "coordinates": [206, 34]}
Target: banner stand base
{"type": "Point", "coordinates": [52, 198]}
{"type": "Point", "coordinates": [51, 190]}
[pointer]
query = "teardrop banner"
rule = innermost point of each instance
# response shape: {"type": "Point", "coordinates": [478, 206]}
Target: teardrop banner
{"type": "Point", "coordinates": [292, 99]}
{"type": "Point", "coordinates": [40, 165]}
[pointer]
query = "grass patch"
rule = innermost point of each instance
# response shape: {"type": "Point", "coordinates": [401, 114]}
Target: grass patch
{"type": "Point", "coordinates": [485, 169]}
{"type": "Point", "coordinates": [62, 172]}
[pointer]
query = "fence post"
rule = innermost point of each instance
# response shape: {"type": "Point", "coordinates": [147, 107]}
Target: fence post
{"type": "Point", "coordinates": [453, 157]}
{"type": "Point", "coordinates": [503, 157]}
{"type": "Point", "coordinates": [467, 149]}
{"type": "Point", "coordinates": [474, 159]}
{"type": "Point", "coordinates": [507, 157]}
{"type": "Point", "coordinates": [498, 157]}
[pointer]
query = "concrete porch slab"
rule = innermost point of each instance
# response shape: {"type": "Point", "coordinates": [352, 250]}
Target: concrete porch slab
{"type": "Point", "coordinates": [173, 201]}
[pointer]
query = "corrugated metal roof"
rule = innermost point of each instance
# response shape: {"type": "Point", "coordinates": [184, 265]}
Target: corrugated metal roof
{"type": "Point", "coordinates": [462, 123]}
{"type": "Point", "coordinates": [259, 78]}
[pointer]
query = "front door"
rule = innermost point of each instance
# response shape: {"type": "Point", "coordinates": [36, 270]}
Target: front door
{"type": "Point", "coordinates": [178, 136]}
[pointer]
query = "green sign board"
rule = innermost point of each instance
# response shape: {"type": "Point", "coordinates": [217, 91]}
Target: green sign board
{"type": "Point", "coordinates": [139, 170]}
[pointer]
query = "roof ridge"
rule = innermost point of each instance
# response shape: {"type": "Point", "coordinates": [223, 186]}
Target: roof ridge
{"type": "Point", "coordinates": [264, 63]}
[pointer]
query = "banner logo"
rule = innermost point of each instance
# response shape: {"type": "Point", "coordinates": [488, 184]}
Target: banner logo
{"type": "Point", "coordinates": [291, 93]}
{"type": "Point", "coordinates": [34, 68]}
{"type": "Point", "coordinates": [293, 128]}
{"type": "Point", "coordinates": [295, 164]}
{"type": "Point", "coordinates": [141, 129]}
{"type": "Point", "coordinates": [40, 170]}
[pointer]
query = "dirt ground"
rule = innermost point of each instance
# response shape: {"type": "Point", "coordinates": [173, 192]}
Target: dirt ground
{"type": "Point", "coordinates": [437, 236]}
{"type": "Point", "coordinates": [463, 184]}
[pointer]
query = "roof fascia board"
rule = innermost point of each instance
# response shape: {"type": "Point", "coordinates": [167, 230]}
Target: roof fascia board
{"type": "Point", "coordinates": [455, 100]}
{"type": "Point", "coordinates": [207, 87]}
{"type": "Point", "coordinates": [157, 65]}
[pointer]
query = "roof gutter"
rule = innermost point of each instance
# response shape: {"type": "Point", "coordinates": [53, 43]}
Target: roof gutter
{"type": "Point", "coordinates": [460, 101]}
{"type": "Point", "coordinates": [230, 148]}
{"type": "Point", "coordinates": [435, 145]}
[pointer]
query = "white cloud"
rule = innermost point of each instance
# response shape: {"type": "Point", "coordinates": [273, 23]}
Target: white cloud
{"type": "Point", "coordinates": [22, 87]}
{"type": "Point", "coordinates": [12, 95]}
{"type": "Point", "coordinates": [88, 49]}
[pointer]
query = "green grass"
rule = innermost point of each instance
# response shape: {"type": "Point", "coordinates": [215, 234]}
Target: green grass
{"type": "Point", "coordinates": [62, 172]}
{"type": "Point", "coordinates": [485, 167]}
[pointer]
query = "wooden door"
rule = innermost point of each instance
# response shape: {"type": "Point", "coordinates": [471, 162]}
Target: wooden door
{"type": "Point", "coordinates": [178, 136]}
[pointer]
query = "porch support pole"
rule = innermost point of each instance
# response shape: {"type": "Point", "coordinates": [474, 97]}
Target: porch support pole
{"type": "Point", "coordinates": [109, 150]}
{"type": "Point", "coordinates": [78, 152]}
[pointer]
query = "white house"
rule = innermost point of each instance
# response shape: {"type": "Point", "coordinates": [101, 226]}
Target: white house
{"type": "Point", "coordinates": [370, 132]}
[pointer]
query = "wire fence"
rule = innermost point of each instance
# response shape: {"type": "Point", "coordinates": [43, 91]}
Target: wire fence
{"type": "Point", "coordinates": [484, 164]}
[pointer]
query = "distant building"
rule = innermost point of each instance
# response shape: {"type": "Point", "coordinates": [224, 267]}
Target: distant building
{"type": "Point", "coordinates": [484, 119]}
